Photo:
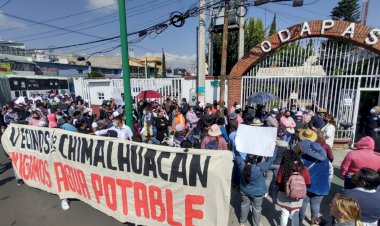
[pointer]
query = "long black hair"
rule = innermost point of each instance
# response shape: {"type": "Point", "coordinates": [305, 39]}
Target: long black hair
{"type": "Point", "coordinates": [249, 161]}
{"type": "Point", "coordinates": [292, 162]}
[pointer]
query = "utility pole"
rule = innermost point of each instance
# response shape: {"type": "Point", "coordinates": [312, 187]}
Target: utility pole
{"type": "Point", "coordinates": [223, 69]}
{"type": "Point", "coordinates": [202, 52]}
{"type": "Point", "coordinates": [210, 44]}
{"type": "Point", "coordinates": [125, 62]}
{"type": "Point", "coordinates": [146, 68]}
{"type": "Point", "coordinates": [241, 30]}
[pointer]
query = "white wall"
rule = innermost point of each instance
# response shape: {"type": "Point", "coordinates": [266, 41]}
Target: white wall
{"type": "Point", "coordinates": [99, 87]}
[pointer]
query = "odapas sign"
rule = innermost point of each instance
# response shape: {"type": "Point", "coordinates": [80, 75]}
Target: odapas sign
{"type": "Point", "coordinates": [326, 28]}
{"type": "Point", "coordinates": [132, 182]}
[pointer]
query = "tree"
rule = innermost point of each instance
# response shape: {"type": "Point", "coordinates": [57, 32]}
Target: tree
{"type": "Point", "coordinates": [249, 29]}
{"type": "Point", "coordinates": [163, 64]}
{"type": "Point", "coordinates": [273, 26]}
{"type": "Point", "coordinates": [348, 10]}
{"type": "Point", "coordinates": [258, 34]}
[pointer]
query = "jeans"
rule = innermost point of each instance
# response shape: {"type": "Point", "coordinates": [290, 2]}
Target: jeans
{"type": "Point", "coordinates": [315, 204]}
{"type": "Point", "coordinates": [272, 172]}
{"type": "Point", "coordinates": [256, 208]}
{"type": "Point", "coordinates": [293, 214]}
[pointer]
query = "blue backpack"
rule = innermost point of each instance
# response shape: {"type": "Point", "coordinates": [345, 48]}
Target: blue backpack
{"type": "Point", "coordinates": [212, 145]}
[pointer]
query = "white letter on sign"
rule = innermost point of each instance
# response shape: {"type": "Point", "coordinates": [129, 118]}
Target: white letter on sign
{"type": "Point", "coordinates": [266, 49]}
{"type": "Point", "coordinates": [327, 24]}
{"type": "Point", "coordinates": [373, 37]}
{"type": "Point", "coordinates": [350, 30]}
{"type": "Point", "coordinates": [280, 35]}
{"type": "Point", "coordinates": [305, 28]}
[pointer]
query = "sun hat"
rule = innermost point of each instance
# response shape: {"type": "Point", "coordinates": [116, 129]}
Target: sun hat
{"type": "Point", "coordinates": [308, 134]}
{"type": "Point", "coordinates": [41, 123]}
{"type": "Point", "coordinates": [299, 113]}
{"type": "Point", "coordinates": [321, 110]}
{"type": "Point", "coordinates": [275, 109]}
{"type": "Point", "coordinates": [233, 116]}
{"type": "Point", "coordinates": [313, 149]}
{"type": "Point", "coordinates": [238, 106]}
{"type": "Point", "coordinates": [290, 130]}
{"type": "Point", "coordinates": [85, 111]}
{"type": "Point", "coordinates": [256, 122]}
{"type": "Point", "coordinates": [214, 131]}
{"type": "Point", "coordinates": [115, 114]}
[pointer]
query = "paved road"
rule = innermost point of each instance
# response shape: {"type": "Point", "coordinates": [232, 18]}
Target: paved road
{"type": "Point", "coordinates": [26, 206]}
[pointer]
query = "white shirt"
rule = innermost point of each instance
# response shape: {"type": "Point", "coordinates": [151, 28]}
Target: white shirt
{"type": "Point", "coordinates": [329, 131]}
{"type": "Point", "coordinates": [124, 133]}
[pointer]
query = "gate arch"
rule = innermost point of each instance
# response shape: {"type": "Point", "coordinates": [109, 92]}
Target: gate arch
{"type": "Point", "coordinates": [360, 35]}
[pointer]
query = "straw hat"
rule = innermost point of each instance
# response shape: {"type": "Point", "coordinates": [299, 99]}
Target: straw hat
{"type": "Point", "coordinates": [214, 131]}
{"type": "Point", "coordinates": [290, 130]}
{"type": "Point", "coordinates": [321, 110]}
{"type": "Point", "coordinates": [256, 122]}
{"type": "Point", "coordinates": [308, 134]}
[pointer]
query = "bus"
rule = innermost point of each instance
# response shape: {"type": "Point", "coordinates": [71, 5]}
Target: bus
{"type": "Point", "coordinates": [14, 86]}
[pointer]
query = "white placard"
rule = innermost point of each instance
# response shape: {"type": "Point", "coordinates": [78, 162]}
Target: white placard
{"type": "Point", "coordinates": [118, 99]}
{"type": "Point", "coordinates": [256, 140]}
{"type": "Point", "coordinates": [293, 96]}
{"type": "Point", "coordinates": [347, 102]}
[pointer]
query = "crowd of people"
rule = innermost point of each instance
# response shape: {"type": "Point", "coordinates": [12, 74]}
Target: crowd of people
{"type": "Point", "coordinates": [298, 175]}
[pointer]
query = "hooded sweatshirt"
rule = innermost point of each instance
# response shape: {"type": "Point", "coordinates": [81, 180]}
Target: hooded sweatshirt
{"type": "Point", "coordinates": [52, 121]}
{"type": "Point", "coordinates": [364, 156]}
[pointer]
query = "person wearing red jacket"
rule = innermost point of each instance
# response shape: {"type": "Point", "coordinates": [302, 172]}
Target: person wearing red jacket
{"type": "Point", "coordinates": [364, 156]}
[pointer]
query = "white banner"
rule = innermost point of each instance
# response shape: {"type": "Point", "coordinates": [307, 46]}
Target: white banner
{"type": "Point", "coordinates": [132, 182]}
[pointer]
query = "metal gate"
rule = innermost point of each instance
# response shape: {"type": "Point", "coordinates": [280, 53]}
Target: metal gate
{"type": "Point", "coordinates": [318, 72]}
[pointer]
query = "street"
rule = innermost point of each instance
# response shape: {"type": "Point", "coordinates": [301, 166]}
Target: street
{"type": "Point", "coordinates": [26, 206]}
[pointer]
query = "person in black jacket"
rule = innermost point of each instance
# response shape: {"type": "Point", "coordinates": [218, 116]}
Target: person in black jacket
{"type": "Point", "coordinates": [372, 127]}
{"type": "Point", "coordinates": [185, 107]}
{"type": "Point", "coordinates": [161, 124]}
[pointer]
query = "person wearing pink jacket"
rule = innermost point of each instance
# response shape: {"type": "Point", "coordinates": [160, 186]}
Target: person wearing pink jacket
{"type": "Point", "coordinates": [364, 156]}
{"type": "Point", "coordinates": [287, 123]}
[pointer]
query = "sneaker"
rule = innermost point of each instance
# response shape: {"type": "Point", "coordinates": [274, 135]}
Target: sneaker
{"type": "Point", "coordinates": [20, 182]}
{"type": "Point", "coordinates": [64, 204]}
{"type": "Point", "coordinates": [265, 195]}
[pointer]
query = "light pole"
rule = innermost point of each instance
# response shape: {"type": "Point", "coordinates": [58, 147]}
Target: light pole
{"type": "Point", "coordinates": [125, 63]}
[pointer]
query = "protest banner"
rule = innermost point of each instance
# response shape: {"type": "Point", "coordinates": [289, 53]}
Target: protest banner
{"type": "Point", "coordinates": [256, 140]}
{"type": "Point", "coordinates": [132, 182]}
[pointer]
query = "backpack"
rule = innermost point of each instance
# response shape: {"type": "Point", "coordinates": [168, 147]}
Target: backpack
{"type": "Point", "coordinates": [212, 145]}
{"type": "Point", "coordinates": [295, 187]}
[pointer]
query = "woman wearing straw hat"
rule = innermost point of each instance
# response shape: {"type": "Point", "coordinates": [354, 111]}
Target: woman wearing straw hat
{"type": "Point", "coordinates": [214, 139]}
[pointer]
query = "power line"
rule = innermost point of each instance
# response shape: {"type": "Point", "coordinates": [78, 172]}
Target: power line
{"type": "Point", "coordinates": [5, 4]}
{"type": "Point", "coordinates": [59, 18]}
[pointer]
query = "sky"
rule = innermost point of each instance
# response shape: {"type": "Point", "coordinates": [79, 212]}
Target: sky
{"type": "Point", "coordinates": [101, 21]}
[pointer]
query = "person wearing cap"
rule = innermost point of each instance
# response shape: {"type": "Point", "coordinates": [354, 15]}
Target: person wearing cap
{"type": "Point", "coordinates": [271, 120]}
{"type": "Point", "coordinates": [315, 159]}
{"type": "Point", "coordinates": [232, 123]}
{"type": "Point", "coordinates": [364, 156]}
{"type": "Point", "coordinates": [123, 131]}
{"type": "Point", "coordinates": [287, 123]}
{"type": "Point", "coordinates": [239, 113]}
{"type": "Point", "coordinates": [299, 121]}
{"type": "Point", "coordinates": [214, 139]}
{"type": "Point", "coordinates": [317, 122]}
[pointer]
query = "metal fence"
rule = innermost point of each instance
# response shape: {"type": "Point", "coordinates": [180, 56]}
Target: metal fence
{"type": "Point", "coordinates": [168, 87]}
{"type": "Point", "coordinates": [319, 72]}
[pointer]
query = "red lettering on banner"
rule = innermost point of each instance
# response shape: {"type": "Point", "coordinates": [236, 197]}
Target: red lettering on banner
{"type": "Point", "coordinates": [110, 187]}
{"type": "Point", "coordinates": [124, 184]}
{"type": "Point", "coordinates": [47, 174]}
{"type": "Point", "coordinates": [73, 180]}
{"type": "Point", "coordinates": [191, 213]}
{"type": "Point", "coordinates": [156, 202]}
{"type": "Point", "coordinates": [23, 167]}
{"type": "Point", "coordinates": [14, 157]}
{"type": "Point", "coordinates": [169, 207]}
{"type": "Point", "coordinates": [60, 176]}
{"type": "Point", "coordinates": [96, 181]}
{"type": "Point", "coordinates": [141, 202]}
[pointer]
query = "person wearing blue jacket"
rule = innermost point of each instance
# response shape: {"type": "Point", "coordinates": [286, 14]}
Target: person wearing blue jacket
{"type": "Point", "coordinates": [252, 185]}
{"type": "Point", "coordinates": [315, 159]}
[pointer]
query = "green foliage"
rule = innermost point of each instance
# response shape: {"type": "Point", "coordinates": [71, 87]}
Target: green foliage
{"type": "Point", "coordinates": [273, 26]}
{"type": "Point", "coordinates": [95, 74]}
{"type": "Point", "coordinates": [163, 64]}
{"type": "Point", "coordinates": [348, 10]}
